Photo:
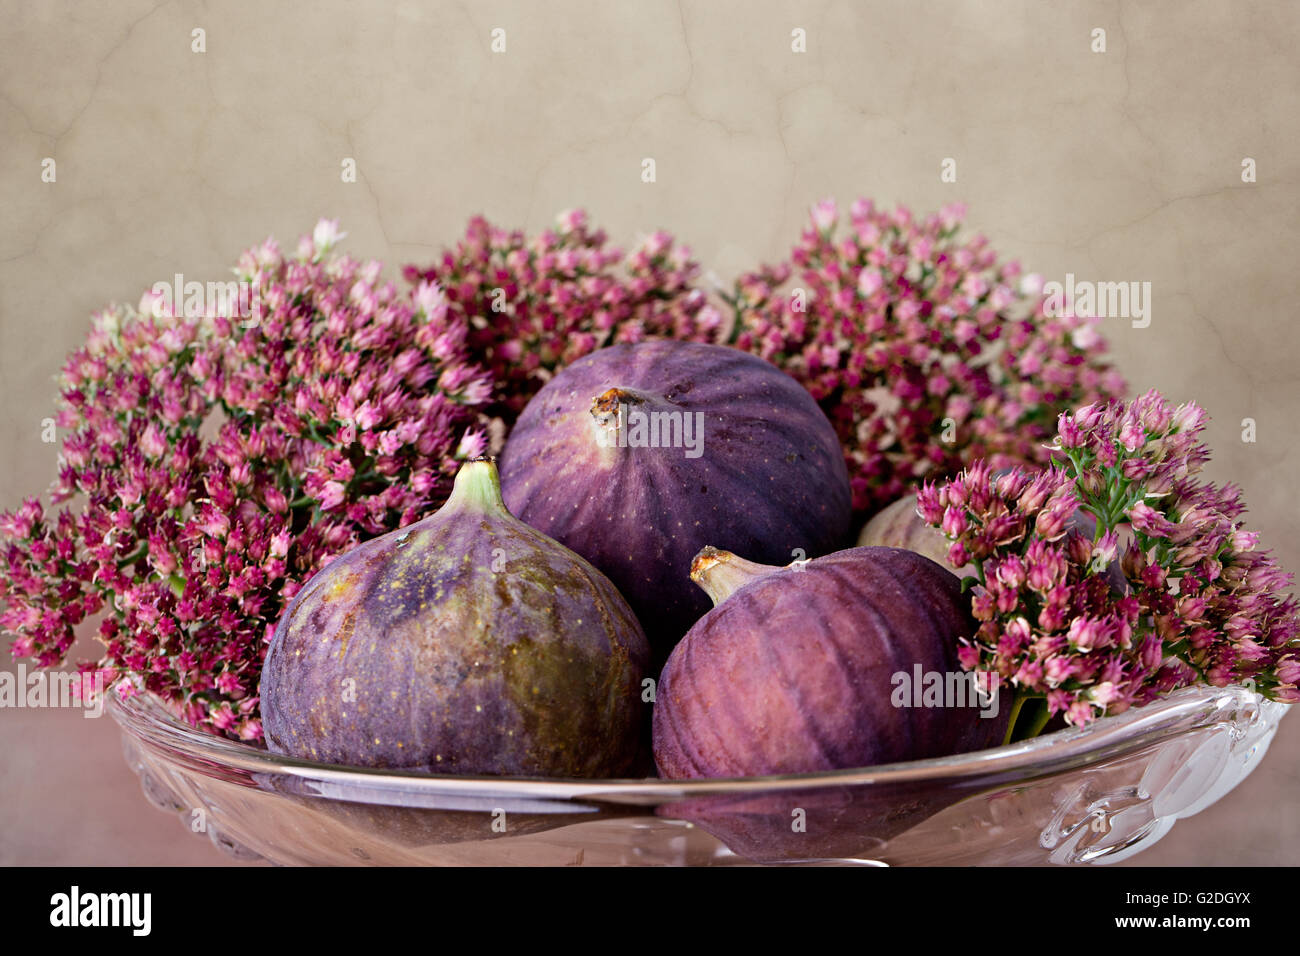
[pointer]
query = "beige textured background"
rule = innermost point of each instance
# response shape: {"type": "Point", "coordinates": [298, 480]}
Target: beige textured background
{"type": "Point", "coordinates": [1117, 166]}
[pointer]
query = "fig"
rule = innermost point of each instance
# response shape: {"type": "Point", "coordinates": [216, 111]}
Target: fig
{"type": "Point", "coordinates": [466, 643]}
{"type": "Point", "coordinates": [844, 661]}
{"type": "Point", "coordinates": [898, 525]}
{"type": "Point", "coordinates": [638, 455]}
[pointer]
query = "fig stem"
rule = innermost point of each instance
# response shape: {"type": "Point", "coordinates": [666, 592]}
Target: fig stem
{"type": "Point", "coordinates": [477, 485]}
{"type": "Point", "coordinates": [608, 401]}
{"type": "Point", "coordinates": [609, 411]}
{"type": "Point", "coordinates": [720, 573]}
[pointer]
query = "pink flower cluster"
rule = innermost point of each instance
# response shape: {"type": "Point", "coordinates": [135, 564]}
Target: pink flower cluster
{"type": "Point", "coordinates": [1115, 574]}
{"type": "Point", "coordinates": [924, 350]}
{"type": "Point", "coordinates": [533, 305]}
{"type": "Point", "coordinates": [218, 460]}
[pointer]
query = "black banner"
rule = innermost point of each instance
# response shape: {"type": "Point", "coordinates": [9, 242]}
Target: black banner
{"type": "Point", "coordinates": [328, 906]}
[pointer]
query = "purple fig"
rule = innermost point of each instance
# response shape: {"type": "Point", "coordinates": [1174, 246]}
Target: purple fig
{"type": "Point", "coordinates": [467, 643]}
{"type": "Point", "coordinates": [636, 456]}
{"type": "Point", "coordinates": [844, 661]}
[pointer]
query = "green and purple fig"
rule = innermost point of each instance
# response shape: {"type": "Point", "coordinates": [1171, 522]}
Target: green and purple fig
{"type": "Point", "coordinates": [467, 643]}
{"type": "Point", "coordinates": [636, 456]}
{"type": "Point", "coordinates": [844, 661]}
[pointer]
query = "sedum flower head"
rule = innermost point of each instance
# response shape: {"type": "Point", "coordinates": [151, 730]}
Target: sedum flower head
{"type": "Point", "coordinates": [532, 305]}
{"type": "Point", "coordinates": [1115, 574]}
{"type": "Point", "coordinates": [925, 350]}
{"type": "Point", "coordinates": [215, 462]}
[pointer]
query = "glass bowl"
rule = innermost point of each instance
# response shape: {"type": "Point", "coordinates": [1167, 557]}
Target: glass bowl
{"type": "Point", "coordinates": [1095, 794]}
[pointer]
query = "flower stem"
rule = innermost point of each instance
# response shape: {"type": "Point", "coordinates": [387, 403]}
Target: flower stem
{"type": "Point", "coordinates": [1035, 724]}
{"type": "Point", "coordinates": [134, 556]}
{"type": "Point", "coordinates": [1017, 702]}
{"type": "Point", "coordinates": [1040, 721]}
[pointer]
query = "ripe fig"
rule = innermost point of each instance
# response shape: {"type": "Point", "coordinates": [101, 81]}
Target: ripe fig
{"type": "Point", "coordinates": [899, 526]}
{"type": "Point", "coordinates": [844, 661]}
{"type": "Point", "coordinates": [636, 456]}
{"type": "Point", "coordinates": [467, 643]}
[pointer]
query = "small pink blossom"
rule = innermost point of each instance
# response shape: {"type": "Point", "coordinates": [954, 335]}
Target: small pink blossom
{"type": "Point", "coordinates": [824, 215]}
{"type": "Point", "coordinates": [326, 235]}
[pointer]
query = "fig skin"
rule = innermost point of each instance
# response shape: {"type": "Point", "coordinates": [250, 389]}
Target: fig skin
{"type": "Point", "coordinates": [467, 643]}
{"type": "Point", "coordinates": [898, 525]}
{"type": "Point", "coordinates": [792, 671]}
{"type": "Point", "coordinates": [770, 481]}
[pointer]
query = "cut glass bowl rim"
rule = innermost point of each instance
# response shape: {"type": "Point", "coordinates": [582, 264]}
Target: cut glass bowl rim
{"type": "Point", "coordinates": [1185, 710]}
